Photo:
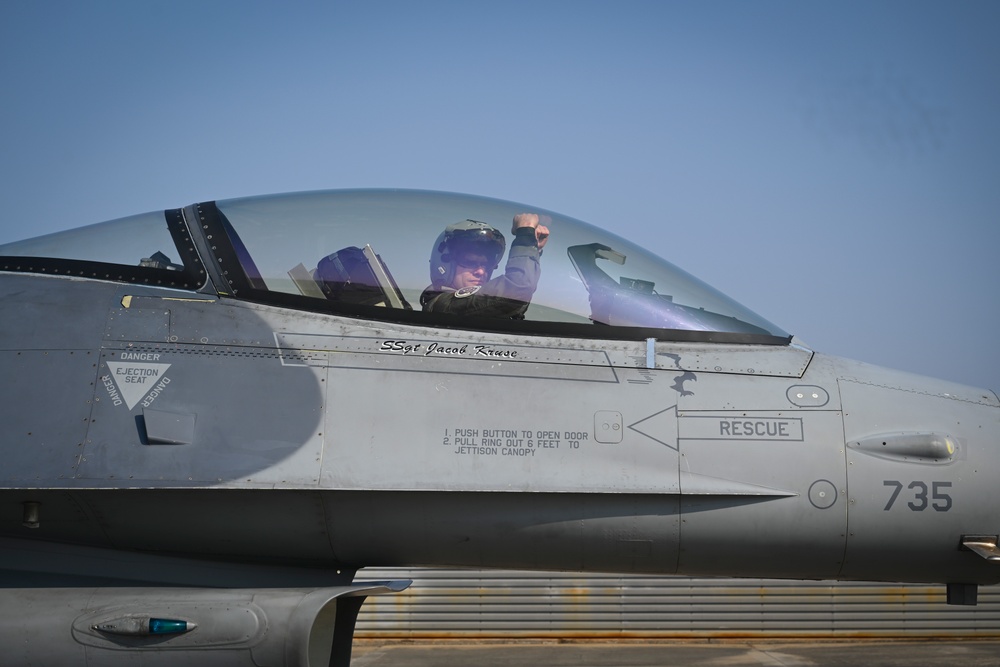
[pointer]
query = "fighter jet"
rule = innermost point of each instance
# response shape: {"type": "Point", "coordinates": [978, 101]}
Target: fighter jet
{"type": "Point", "coordinates": [213, 416]}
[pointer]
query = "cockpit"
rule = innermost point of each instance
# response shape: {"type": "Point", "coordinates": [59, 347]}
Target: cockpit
{"type": "Point", "coordinates": [368, 253]}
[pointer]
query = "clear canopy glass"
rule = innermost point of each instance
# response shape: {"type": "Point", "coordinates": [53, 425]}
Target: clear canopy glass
{"type": "Point", "coordinates": [138, 240]}
{"type": "Point", "coordinates": [588, 275]}
{"type": "Point", "coordinates": [376, 248]}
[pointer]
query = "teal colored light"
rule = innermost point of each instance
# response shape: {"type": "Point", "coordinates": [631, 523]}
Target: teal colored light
{"type": "Point", "coordinates": [167, 626]}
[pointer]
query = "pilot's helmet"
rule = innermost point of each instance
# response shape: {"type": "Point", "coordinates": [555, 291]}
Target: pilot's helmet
{"type": "Point", "coordinates": [460, 239]}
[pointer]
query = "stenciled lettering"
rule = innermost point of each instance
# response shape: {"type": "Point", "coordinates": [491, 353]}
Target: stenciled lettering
{"type": "Point", "coordinates": [499, 433]}
{"type": "Point", "coordinates": [139, 356]}
{"type": "Point", "coordinates": [517, 451]}
{"type": "Point", "coordinates": [113, 394]}
{"type": "Point", "coordinates": [510, 441]}
{"type": "Point", "coordinates": [767, 429]}
{"type": "Point", "coordinates": [133, 375]}
{"type": "Point", "coordinates": [157, 390]}
{"type": "Point", "coordinates": [483, 451]}
{"type": "Point", "coordinates": [921, 495]}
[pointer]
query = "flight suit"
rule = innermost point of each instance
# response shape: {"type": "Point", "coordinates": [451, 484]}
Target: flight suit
{"type": "Point", "coordinates": [505, 296]}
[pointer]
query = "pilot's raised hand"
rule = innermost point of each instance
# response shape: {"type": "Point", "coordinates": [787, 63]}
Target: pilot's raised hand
{"type": "Point", "coordinates": [524, 220]}
{"type": "Point", "coordinates": [542, 235]}
{"type": "Point", "coordinates": [531, 220]}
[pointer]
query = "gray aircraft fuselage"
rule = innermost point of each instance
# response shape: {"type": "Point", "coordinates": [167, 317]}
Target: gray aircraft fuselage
{"type": "Point", "coordinates": [184, 438]}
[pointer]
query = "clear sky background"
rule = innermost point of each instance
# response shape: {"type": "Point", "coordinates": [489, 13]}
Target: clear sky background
{"type": "Point", "coordinates": [834, 166]}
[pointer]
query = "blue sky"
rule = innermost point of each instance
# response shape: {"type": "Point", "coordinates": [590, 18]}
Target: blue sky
{"type": "Point", "coordinates": [834, 166]}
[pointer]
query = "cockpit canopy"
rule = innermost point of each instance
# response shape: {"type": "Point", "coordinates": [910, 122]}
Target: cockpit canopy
{"type": "Point", "coordinates": [368, 253]}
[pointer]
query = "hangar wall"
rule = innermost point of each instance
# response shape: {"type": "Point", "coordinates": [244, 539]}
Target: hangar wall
{"type": "Point", "coordinates": [482, 604]}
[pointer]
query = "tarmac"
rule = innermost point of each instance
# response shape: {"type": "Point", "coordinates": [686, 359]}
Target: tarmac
{"type": "Point", "coordinates": [868, 653]}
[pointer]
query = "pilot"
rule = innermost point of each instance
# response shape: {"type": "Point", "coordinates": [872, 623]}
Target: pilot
{"type": "Point", "coordinates": [466, 254]}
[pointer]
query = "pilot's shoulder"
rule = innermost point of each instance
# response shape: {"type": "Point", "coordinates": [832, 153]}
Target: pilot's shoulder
{"type": "Point", "coordinates": [435, 296]}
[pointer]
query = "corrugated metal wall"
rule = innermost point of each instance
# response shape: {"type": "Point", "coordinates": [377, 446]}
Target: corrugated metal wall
{"type": "Point", "coordinates": [476, 604]}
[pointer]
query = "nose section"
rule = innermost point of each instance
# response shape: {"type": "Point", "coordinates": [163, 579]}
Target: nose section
{"type": "Point", "coordinates": [923, 459]}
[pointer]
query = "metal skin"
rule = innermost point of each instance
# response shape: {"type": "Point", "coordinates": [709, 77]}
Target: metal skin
{"type": "Point", "coordinates": [286, 449]}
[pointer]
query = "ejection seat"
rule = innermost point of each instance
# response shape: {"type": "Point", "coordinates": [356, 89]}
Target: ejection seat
{"type": "Point", "coordinates": [351, 275]}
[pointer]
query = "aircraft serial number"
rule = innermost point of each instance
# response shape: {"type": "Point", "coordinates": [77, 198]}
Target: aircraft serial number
{"type": "Point", "coordinates": [921, 497]}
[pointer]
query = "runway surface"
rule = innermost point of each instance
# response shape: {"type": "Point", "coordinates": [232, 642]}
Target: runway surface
{"type": "Point", "coordinates": [966, 653]}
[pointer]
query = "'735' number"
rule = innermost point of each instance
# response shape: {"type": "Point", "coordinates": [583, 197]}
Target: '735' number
{"type": "Point", "coordinates": [937, 498]}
